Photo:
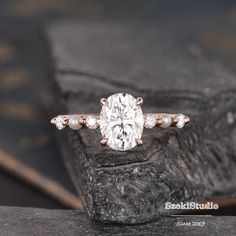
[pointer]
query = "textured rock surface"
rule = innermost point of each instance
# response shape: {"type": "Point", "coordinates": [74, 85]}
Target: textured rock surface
{"type": "Point", "coordinates": [32, 221]}
{"type": "Point", "coordinates": [168, 65]}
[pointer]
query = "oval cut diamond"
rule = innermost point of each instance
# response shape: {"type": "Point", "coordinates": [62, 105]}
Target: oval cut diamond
{"type": "Point", "coordinates": [121, 121]}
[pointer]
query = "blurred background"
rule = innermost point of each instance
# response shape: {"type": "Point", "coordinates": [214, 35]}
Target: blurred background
{"type": "Point", "coordinates": [34, 166]}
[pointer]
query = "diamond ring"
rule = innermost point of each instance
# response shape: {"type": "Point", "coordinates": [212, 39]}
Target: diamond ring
{"type": "Point", "coordinates": [121, 121]}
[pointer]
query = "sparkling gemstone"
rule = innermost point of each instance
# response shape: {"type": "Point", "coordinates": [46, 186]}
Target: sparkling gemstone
{"type": "Point", "coordinates": [121, 122]}
{"type": "Point", "coordinates": [73, 123]}
{"type": "Point", "coordinates": [150, 121]}
{"type": "Point", "coordinates": [181, 121]}
{"type": "Point", "coordinates": [166, 121]}
{"type": "Point", "coordinates": [91, 122]}
{"type": "Point", "coordinates": [59, 122]}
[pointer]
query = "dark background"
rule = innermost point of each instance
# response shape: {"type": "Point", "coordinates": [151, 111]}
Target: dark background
{"type": "Point", "coordinates": [25, 69]}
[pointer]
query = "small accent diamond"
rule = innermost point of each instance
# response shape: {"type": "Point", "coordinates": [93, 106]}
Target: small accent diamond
{"type": "Point", "coordinates": [181, 121]}
{"type": "Point", "coordinates": [150, 121]}
{"type": "Point", "coordinates": [59, 122]}
{"type": "Point", "coordinates": [91, 122]}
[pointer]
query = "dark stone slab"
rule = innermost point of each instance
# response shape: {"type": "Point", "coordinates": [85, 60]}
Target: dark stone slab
{"type": "Point", "coordinates": [32, 221]}
{"type": "Point", "coordinates": [166, 63]}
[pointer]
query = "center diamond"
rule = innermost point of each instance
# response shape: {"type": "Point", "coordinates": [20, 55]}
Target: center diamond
{"type": "Point", "coordinates": [121, 121]}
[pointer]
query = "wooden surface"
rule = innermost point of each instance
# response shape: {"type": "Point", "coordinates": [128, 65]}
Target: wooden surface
{"type": "Point", "coordinates": [176, 65]}
{"type": "Point", "coordinates": [25, 131]}
{"type": "Point", "coordinates": [36, 222]}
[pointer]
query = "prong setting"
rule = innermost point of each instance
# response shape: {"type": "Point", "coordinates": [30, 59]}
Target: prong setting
{"type": "Point", "coordinates": [175, 120]}
{"type": "Point", "coordinates": [139, 101]}
{"type": "Point", "coordinates": [103, 101]}
{"type": "Point", "coordinates": [159, 121]}
{"type": "Point", "coordinates": [82, 120]}
{"type": "Point", "coordinates": [139, 142]}
{"type": "Point", "coordinates": [187, 120]}
{"type": "Point", "coordinates": [53, 120]}
{"type": "Point", "coordinates": [104, 141]}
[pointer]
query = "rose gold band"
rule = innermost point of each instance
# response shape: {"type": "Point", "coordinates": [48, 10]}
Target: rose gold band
{"type": "Point", "coordinates": [77, 121]}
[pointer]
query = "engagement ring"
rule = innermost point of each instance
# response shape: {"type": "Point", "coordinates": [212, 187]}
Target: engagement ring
{"type": "Point", "coordinates": [121, 121]}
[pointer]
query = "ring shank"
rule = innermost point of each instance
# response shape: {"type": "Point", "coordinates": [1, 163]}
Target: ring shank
{"type": "Point", "coordinates": [160, 119]}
